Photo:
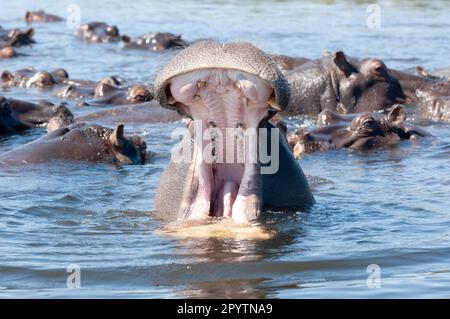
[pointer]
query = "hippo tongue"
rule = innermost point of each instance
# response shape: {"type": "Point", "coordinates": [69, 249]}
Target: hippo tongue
{"type": "Point", "coordinates": [227, 107]}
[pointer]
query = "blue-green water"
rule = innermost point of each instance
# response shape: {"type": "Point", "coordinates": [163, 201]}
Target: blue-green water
{"type": "Point", "coordinates": [390, 208]}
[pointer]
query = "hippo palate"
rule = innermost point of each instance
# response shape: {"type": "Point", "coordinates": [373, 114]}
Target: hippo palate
{"type": "Point", "coordinates": [221, 101]}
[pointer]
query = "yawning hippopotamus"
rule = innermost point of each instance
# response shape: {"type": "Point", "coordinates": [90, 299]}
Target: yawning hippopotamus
{"type": "Point", "coordinates": [98, 32]}
{"type": "Point", "coordinates": [80, 142]}
{"type": "Point", "coordinates": [41, 16]}
{"type": "Point", "coordinates": [16, 115]}
{"type": "Point", "coordinates": [226, 88]}
{"type": "Point", "coordinates": [361, 132]}
{"type": "Point", "coordinates": [154, 41]}
{"type": "Point", "coordinates": [16, 37]}
{"type": "Point", "coordinates": [30, 77]}
{"type": "Point", "coordinates": [343, 85]}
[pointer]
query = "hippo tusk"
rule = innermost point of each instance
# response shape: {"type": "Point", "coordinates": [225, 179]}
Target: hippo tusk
{"type": "Point", "coordinates": [273, 104]}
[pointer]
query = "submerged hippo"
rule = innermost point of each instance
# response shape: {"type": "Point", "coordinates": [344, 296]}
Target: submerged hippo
{"type": "Point", "coordinates": [429, 93]}
{"type": "Point", "coordinates": [226, 88]}
{"type": "Point", "coordinates": [148, 112]}
{"type": "Point", "coordinates": [122, 95]}
{"type": "Point", "coordinates": [32, 78]}
{"type": "Point", "coordinates": [98, 32]}
{"type": "Point", "coordinates": [41, 16]}
{"type": "Point", "coordinates": [361, 132]}
{"type": "Point", "coordinates": [16, 115]}
{"type": "Point", "coordinates": [16, 37]}
{"type": "Point", "coordinates": [344, 85]}
{"type": "Point", "coordinates": [80, 142]}
{"type": "Point", "coordinates": [81, 89]}
{"type": "Point", "coordinates": [154, 41]}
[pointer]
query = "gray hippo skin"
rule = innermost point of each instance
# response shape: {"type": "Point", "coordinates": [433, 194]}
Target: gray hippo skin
{"type": "Point", "coordinates": [224, 87]}
{"type": "Point", "coordinates": [340, 84]}
{"type": "Point", "coordinates": [80, 142]}
{"type": "Point", "coordinates": [148, 112]}
{"type": "Point", "coordinates": [360, 132]}
{"type": "Point", "coordinates": [154, 41]}
{"type": "Point", "coordinates": [17, 115]}
{"type": "Point", "coordinates": [430, 93]}
{"type": "Point", "coordinates": [98, 32]}
{"type": "Point", "coordinates": [41, 16]}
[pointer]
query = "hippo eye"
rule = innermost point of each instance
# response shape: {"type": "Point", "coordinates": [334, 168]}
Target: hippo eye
{"type": "Point", "coordinates": [368, 123]}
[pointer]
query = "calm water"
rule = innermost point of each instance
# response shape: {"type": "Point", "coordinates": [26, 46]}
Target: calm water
{"type": "Point", "coordinates": [389, 208]}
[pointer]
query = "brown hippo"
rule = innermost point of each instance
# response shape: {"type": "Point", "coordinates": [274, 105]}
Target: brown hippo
{"type": "Point", "coordinates": [80, 142]}
{"type": "Point", "coordinates": [41, 16]}
{"type": "Point", "coordinates": [226, 88]}
{"type": "Point", "coordinates": [98, 32]}
{"type": "Point", "coordinates": [18, 115]}
{"type": "Point", "coordinates": [361, 132]}
{"type": "Point", "coordinates": [32, 78]}
{"type": "Point", "coordinates": [154, 41]}
{"type": "Point", "coordinates": [148, 112]}
{"type": "Point", "coordinates": [344, 85]}
{"type": "Point", "coordinates": [122, 95]}
{"type": "Point", "coordinates": [16, 37]}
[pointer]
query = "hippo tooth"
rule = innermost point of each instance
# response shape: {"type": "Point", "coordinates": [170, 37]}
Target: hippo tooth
{"type": "Point", "coordinates": [171, 100]}
{"type": "Point", "coordinates": [273, 104]}
{"type": "Point", "coordinates": [245, 102]}
{"type": "Point", "coordinates": [201, 84]}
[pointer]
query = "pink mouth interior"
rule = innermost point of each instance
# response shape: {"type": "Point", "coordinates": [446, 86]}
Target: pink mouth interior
{"type": "Point", "coordinates": [222, 100]}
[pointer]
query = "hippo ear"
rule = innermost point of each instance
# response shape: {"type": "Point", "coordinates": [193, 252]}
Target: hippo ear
{"type": "Point", "coordinates": [30, 32]}
{"type": "Point", "coordinates": [126, 38]}
{"type": "Point", "coordinates": [28, 16]}
{"type": "Point", "coordinates": [117, 138]}
{"type": "Point", "coordinates": [397, 114]}
{"type": "Point", "coordinates": [341, 62]}
{"type": "Point", "coordinates": [6, 76]}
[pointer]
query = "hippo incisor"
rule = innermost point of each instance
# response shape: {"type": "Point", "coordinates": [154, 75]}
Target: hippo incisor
{"type": "Point", "coordinates": [223, 88]}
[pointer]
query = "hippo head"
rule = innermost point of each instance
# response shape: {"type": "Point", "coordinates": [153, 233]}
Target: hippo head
{"type": "Point", "coordinates": [41, 79]}
{"type": "Point", "coordinates": [139, 94]}
{"type": "Point", "coordinates": [362, 86]}
{"type": "Point", "coordinates": [362, 132]}
{"type": "Point", "coordinates": [17, 37]}
{"type": "Point", "coordinates": [226, 89]}
{"type": "Point", "coordinates": [130, 150]}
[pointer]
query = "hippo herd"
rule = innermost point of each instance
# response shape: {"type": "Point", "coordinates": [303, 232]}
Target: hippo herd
{"type": "Point", "coordinates": [359, 104]}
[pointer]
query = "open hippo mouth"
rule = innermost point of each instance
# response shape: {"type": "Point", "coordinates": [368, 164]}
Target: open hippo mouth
{"type": "Point", "coordinates": [228, 105]}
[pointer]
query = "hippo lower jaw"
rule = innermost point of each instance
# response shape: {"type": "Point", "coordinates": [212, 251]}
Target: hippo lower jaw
{"type": "Point", "coordinates": [224, 103]}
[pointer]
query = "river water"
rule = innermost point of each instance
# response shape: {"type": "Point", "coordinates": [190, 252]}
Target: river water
{"type": "Point", "coordinates": [382, 215]}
